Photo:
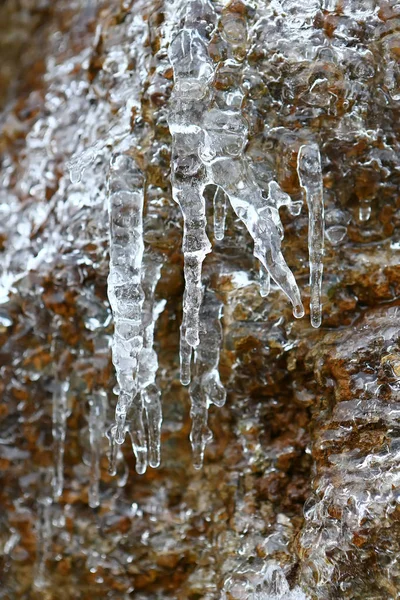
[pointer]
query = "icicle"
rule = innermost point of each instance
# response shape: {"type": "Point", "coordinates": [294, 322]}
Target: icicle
{"type": "Point", "coordinates": [193, 72]}
{"type": "Point", "coordinates": [97, 418]}
{"type": "Point", "coordinates": [206, 387]}
{"type": "Point", "coordinates": [152, 405]}
{"type": "Point", "coordinates": [59, 430]}
{"type": "Point", "coordinates": [277, 198]}
{"type": "Point", "coordinates": [219, 213]}
{"type": "Point", "coordinates": [310, 177]}
{"type": "Point", "coordinates": [265, 282]}
{"type": "Point", "coordinates": [148, 363]}
{"type": "Point", "coordinates": [125, 189]}
{"type": "Point", "coordinates": [43, 535]}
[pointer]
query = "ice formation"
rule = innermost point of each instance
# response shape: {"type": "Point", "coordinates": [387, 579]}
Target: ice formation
{"type": "Point", "coordinates": [209, 133]}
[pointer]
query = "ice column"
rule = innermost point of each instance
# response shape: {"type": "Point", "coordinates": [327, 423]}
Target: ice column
{"type": "Point", "coordinates": [310, 177]}
{"type": "Point", "coordinates": [206, 387]}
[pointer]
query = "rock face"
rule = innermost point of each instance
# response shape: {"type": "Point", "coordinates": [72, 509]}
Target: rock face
{"type": "Point", "coordinates": [131, 114]}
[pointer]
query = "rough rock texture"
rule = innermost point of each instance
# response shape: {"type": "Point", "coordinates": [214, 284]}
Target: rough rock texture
{"type": "Point", "coordinates": [298, 495]}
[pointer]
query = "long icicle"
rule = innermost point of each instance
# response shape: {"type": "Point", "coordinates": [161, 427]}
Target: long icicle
{"type": "Point", "coordinates": [310, 177]}
{"type": "Point", "coordinates": [126, 195]}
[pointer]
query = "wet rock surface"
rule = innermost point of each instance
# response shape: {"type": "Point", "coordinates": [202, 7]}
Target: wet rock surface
{"type": "Point", "coordinates": [297, 497]}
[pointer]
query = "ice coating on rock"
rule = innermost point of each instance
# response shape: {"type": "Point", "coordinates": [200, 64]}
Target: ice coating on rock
{"type": "Point", "coordinates": [125, 189]}
{"type": "Point", "coordinates": [355, 487]}
{"type": "Point", "coordinates": [97, 423]}
{"type": "Point", "coordinates": [132, 282]}
{"type": "Point", "coordinates": [148, 363]}
{"type": "Point", "coordinates": [310, 177]}
{"type": "Point", "coordinates": [306, 62]}
{"type": "Point", "coordinates": [263, 580]}
{"type": "Point", "coordinates": [336, 234]}
{"type": "Point", "coordinates": [206, 387]}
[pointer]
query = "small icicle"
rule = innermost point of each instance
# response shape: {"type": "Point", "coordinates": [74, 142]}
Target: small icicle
{"type": "Point", "coordinates": [206, 387]}
{"type": "Point", "coordinates": [185, 355]}
{"type": "Point", "coordinates": [310, 177]}
{"type": "Point", "coordinates": [219, 213]}
{"type": "Point", "coordinates": [97, 417]}
{"type": "Point", "coordinates": [113, 452]}
{"type": "Point", "coordinates": [125, 192]}
{"type": "Point", "coordinates": [137, 433]}
{"type": "Point", "coordinates": [59, 430]}
{"type": "Point", "coordinates": [265, 282]}
{"type": "Point", "coordinates": [43, 536]}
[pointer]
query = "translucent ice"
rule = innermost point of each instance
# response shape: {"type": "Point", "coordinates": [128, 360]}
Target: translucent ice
{"type": "Point", "coordinates": [59, 420]}
{"type": "Point", "coordinates": [97, 420]}
{"type": "Point", "coordinates": [193, 72]}
{"type": "Point", "coordinates": [219, 213]}
{"type": "Point", "coordinates": [206, 387]}
{"type": "Point", "coordinates": [310, 177]}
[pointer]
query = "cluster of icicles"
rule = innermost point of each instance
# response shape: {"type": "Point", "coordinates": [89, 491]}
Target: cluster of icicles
{"type": "Point", "coordinates": [209, 134]}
